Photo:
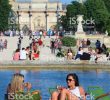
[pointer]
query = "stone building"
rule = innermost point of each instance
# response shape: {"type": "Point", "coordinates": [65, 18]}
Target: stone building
{"type": "Point", "coordinates": [37, 14]}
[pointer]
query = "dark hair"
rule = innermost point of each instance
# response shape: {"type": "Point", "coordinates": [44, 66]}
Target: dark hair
{"type": "Point", "coordinates": [75, 77]}
{"type": "Point", "coordinates": [69, 50]}
{"type": "Point", "coordinates": [17, 50]}
{"type": "Point", "coordinates": [34, 51]}
{"type": "Point", "coordinates": [27, 47]}
{"type": "Point", "coordinates": [80, 48]}
{"type": "Point", "coordinates": [23, 48]}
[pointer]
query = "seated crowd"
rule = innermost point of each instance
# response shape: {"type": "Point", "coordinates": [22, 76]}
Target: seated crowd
{"type": "Point", "coordinates": [86, 52]}
{"type": "Point", "coordinates": [31, 52]}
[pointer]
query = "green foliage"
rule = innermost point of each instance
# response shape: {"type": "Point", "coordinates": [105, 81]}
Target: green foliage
{"type": "Point", "coordinates": [98, 11]}
{"type": "Point", "coordinates": [108, 26]}
{"type": "Point", "coordinates": [5, 8]}
{"type": "Point", "coordinates": [107, 4]}
{"type": "Point", "coordinates": [68, 41]}
{"type": "Point", "coordinates": [108, 50]}
{"type": "Point", "coordinates": [73, 10]}
{"type": "Point", "coordinates": [76, 8]}
{"type": "Point", "coordinates": [60, 54]}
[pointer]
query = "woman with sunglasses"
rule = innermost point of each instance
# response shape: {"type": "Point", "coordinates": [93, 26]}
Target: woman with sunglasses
{"type": "Point", "coordinates": [73, 92]}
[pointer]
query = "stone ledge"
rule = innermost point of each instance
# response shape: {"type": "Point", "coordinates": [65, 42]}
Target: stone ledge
{"type": "Point", "coordinates": [54, 65]}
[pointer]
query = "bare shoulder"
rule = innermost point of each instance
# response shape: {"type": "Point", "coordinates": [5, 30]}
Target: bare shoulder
{"type": "Point", "coordinates": [81, 89]}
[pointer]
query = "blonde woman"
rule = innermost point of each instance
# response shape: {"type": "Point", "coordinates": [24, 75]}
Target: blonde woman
{"type": "Point", "coordinates": [17, 84]}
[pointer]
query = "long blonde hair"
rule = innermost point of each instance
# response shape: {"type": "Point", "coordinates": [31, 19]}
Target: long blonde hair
{"type": "Point", "coordinates": [16, 83]}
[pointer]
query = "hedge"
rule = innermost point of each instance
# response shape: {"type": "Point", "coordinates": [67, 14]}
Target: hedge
{"type": "Point", "coordinates": [68, 41]}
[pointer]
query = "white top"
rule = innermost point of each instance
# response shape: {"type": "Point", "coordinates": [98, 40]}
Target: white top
{"type": "Point", "coordinates": [80, 52]}
{"type": "Point", "coordinates": [76, 92]}
{"type": "Point", "coordinates": [40, 33]}
{"type": "Point", "coordinates": [23, 55]}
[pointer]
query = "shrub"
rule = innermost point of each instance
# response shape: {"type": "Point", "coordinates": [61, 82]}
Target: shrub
{"type": "Point", "coordinates": [60, 54]}
{"type": "Point", "coordinates": [68, 41]}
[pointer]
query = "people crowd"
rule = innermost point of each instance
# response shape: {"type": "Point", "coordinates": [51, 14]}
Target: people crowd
{"type": "Point", "coordinates": [87, 52]}
{"type": "Point", "coordinates": [55, 45]}
{"type": "Point", "coordinates": [31, 52]}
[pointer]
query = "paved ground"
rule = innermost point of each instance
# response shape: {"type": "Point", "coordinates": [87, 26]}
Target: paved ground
{"type": "Point", "coordinates": [6, 55]}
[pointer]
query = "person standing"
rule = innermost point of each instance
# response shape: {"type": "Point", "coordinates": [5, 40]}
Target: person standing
{"type": "Point", "coordinates": [19, 43]}
{"type": "Point", "coordinates": [52, 46]}
{"type": "Point", "coordinates": [1, 45]}
{"type": "Point", "coordinates": [5, 43]}
{"type": "Point", "coordinates": [41, 33]}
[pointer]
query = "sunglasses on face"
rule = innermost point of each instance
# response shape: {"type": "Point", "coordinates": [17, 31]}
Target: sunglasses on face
{"type": "Point", "coordinates": [69, 80]}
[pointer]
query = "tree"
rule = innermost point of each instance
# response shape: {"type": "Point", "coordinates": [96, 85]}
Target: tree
{"type": "Point", "coordinates": [107, 4]}
{"type": "Point", "coordinates": [98, 11]}
{"type": "Point", "coordinates": [73, 9]}
{"type": "Point", "coordinates": [5, 8]}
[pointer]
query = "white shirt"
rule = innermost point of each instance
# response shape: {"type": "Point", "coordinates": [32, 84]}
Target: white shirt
{"type": "Point", "coordinates": [76, 92]}
{"type": "Point", "coordinates": [23, 55]}
{"type": "Point", "coordinates": [40, 32]}
{"type": "Point", "coordinates": [80, 52]}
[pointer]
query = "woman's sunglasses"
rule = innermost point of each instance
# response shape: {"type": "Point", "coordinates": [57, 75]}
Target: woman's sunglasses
{"type": "Point", "coordinates": [69, 80]}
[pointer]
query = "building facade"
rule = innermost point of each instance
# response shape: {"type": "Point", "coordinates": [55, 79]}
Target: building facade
{"type": "Point", "coordinates": [37, 14]}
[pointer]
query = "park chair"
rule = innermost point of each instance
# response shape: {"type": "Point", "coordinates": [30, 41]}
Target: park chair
{"type": "Point", "coordinates": [51, 90]}
{"type": "Point", "coordinates": [98, 93]}
{"type": "Point", "coordinates": [35, 96]}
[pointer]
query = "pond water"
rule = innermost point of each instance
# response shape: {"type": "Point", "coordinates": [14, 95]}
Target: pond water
{"type": "Point", "coordinates": [42, 80]}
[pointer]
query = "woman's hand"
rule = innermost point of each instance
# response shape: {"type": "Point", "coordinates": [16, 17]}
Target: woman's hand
{"type": "Point", "coordinates": [28, 86]}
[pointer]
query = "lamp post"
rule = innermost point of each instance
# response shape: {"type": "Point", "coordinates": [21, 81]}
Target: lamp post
{"type": "Point", "coordinates": [30, 15]}
{"type": "Point", "coordinates": [46, 15]}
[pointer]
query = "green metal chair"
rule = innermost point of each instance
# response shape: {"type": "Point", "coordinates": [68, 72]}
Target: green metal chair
{"type": "Point", "coordinates": [98, 93]}
{"type": "Point", "coordinates": [36, 96]}
{"type": "Point", "coordinates": [51, 90]}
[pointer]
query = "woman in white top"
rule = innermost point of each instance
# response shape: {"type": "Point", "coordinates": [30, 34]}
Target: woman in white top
{"type": "Point", "coordinates": [73, 92]}
{"type": "Point", "coordinates": [79, 53]}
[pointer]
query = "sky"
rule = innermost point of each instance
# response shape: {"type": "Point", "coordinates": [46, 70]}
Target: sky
{"type": "Point", "coordinates": [67, 1]}
{"type": "Point", "coordinates": [63, 1]}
